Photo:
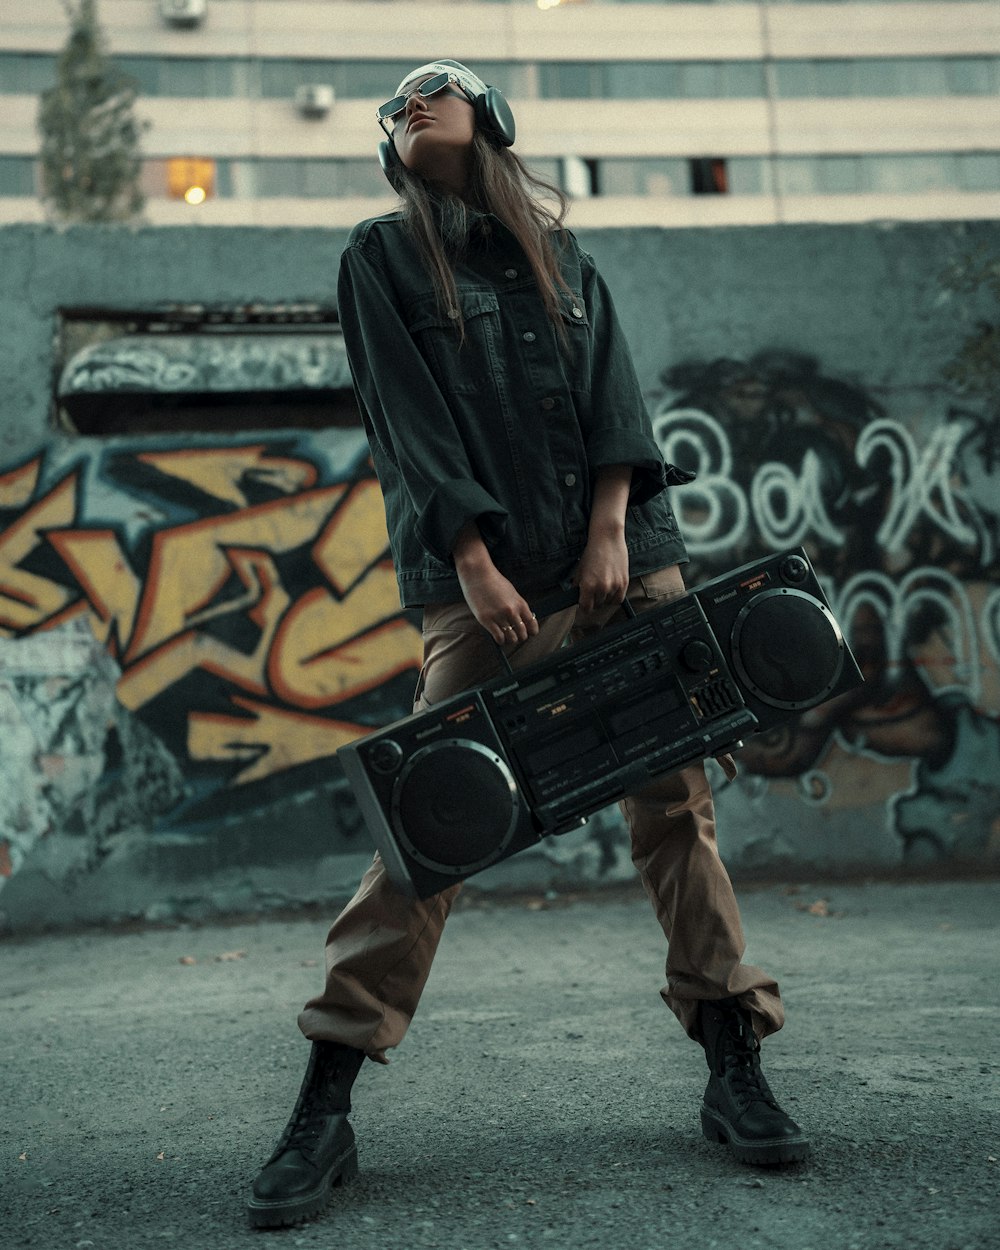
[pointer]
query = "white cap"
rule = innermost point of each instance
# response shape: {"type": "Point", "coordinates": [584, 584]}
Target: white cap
{"type": "Point", "coordinates": [470, 81]}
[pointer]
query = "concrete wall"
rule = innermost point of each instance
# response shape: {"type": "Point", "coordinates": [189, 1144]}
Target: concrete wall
{"type": "Point", "coordinates": [190, 625]}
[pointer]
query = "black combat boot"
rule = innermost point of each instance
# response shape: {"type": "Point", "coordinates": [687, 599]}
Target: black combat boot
{"type": "Point", "coordinates": [317, 1149]}
{"type": "Point", "coordinates": [739, 1109]}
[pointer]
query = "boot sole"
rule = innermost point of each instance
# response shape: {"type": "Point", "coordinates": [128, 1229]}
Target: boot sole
{"type": "Point", "coordinates": [265, 1213]}
{"type": "Point", "coordinates": [762, 1153]}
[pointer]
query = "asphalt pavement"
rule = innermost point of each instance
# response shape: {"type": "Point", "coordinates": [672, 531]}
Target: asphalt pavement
{"type": "Point", "coordinates": [544, 1096]}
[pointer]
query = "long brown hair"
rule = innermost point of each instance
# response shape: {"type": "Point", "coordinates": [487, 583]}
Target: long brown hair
{"type": "Point", "coordinates": [500, 183]}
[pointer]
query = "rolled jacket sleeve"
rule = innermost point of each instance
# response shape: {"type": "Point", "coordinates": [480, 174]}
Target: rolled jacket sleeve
{"type": "Point", "coordinates": [619, 430]}
{"type": "Point", "coordinates": [415, 443]}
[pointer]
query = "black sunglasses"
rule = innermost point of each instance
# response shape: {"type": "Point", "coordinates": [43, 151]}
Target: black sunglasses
{"type": "Point", "coordinates": [389, 113]}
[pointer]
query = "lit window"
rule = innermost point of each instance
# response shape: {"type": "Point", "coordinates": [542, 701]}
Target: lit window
{"type": "Point", "coordinates": [190, 178]}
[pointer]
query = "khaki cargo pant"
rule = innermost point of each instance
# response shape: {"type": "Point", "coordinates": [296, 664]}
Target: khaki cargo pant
{"type": "Point", "coordinates": [379, 950]}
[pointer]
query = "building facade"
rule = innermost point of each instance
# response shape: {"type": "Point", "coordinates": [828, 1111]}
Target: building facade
{"type": "Point", "coordinates": [678, 114]}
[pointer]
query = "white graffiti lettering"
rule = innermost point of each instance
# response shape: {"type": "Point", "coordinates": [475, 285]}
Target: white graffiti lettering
{"type": "Point", "coordinates": [789, 507]}
{"type": "Point", "coordinates": [922, 481]}
{"type": "Point", "coordinates": [713, 510]}
{"type": "Point", "coordinates": [896, 605]}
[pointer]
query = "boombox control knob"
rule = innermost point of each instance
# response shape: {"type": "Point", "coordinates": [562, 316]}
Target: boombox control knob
{"type": "Point", "coordinates": [697, 656]}
{"type": "Point", "coordinates": [385, 756]}
{"type": "Point", "coordinates": [793, 569]}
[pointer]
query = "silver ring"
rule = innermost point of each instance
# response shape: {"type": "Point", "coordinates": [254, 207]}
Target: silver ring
{"type": "Point", "coordinates": [509, 629]}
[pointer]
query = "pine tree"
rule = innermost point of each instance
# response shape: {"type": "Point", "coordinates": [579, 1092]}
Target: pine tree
{"type": "Point", "coordinates": [90, 136]}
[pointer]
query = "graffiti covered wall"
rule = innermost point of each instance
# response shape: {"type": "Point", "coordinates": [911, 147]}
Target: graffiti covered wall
{"type": "Point", "coordinates": [895, 497]}
{"type": "Point", "coordinates": [191, 624]}
{"type": "Point", "coordinates": [249, 607]}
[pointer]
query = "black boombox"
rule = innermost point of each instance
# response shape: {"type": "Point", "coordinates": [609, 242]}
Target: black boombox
{"type": "Point", "coordinates": [450, 791]}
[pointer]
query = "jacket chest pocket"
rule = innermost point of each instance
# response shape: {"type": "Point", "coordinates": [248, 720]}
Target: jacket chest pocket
{"type": "Point", "coordinates": [460, 354]}
{"type": "Point", "coordinates": [576, 335]}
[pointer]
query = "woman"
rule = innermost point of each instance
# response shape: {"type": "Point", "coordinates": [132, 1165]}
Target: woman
{"type": "Point", "coordinates": [513, 449]}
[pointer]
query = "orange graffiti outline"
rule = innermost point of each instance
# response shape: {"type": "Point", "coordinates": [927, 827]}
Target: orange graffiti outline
{"type": "Point", "coordinates": [247, 755]}
{"type": "Point", "coordinates": [260, 562]}
{"type": "Point", "coordinates": [162, 537]}
{"type": "Point", "coordinates": [259, 449]}
{"type": "Point", "coordinates": [135, 670]}
{"type": "Point", "coordinates": [92, 600]}
{"type": "Point", "coordinates": [283, 691]}
{"type": "Point", "coordinates": [328, 536]}
{"type": "Point", "coordinates": [64, 485]}
{"type": "Point", "coordinates": [286, 713]}
{"type": "Point", "coordinates": [10, 477]}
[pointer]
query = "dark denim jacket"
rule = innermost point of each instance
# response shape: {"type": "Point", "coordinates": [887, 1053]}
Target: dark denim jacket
{"type": "Point", "coordinates": [507, 428]}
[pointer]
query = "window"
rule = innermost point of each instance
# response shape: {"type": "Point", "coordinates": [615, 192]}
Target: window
{"type": "Point", "coordinates": [978, 171]}
{"type": "Point", "coordinates": [972, 75]}
{"type": "Point", "coordinates": [835, 78]}
{"type": "Point", "coordinates": [547, 169]}
{"type": "Point", "coordinates": [357, 79]}
{"type": "Point", "coordinates": [26, 73]}
{"type": "Point", "coordinates": [361, 178]}
{"type": "Point", "coordinates": [923, 77]}
{"type": "Point", "coordinates": [515, 81]}
{"type": "Point", "coordinates": [748, 175]}
{"type": "Point", "coordinates": [890, 174]}
{"type": "Point", "coordinates": [17, 175]}
{"type": "Point", "coordinates": [184, 77]}
{"type": "Point", "coordinates": [741, 80]}
{"type": "Point", "coordinates": [798, 175]}
{"type": "Point", "coordinates": [708, 175]}
{"type": "Point", "coordinates": [278, 79]}
{"type": "Point", "coordinates": [642, 80]}
{"type": "Point", "coordinates": [571, 80]}
{"type": "Point", "coordinates": [795, 79]}
{"type": "Point", "coordinates": [839, 175]}
{"type": "Point", "coordinates": [145, 70]}
{"type": "Point", "coordinates": [878, 78]}
{"type": "Point", "coordinates": [580, 177]}
{"type": "Point", "coordinates": [700, 80]}
{"type": "Point", "coordinates": [283, 177]}
{"type": "Point", "coordinates": [644, 177]}
{"type": "Point", "coordinates": [190, 178]}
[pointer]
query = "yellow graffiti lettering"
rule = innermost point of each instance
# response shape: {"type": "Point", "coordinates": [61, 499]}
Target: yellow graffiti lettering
{"type": "Point", "coordinates": [222, 472]}
{"type": "Point", "coordinates": [354, 539]}
{"type": "Point", "coordinates": [190, 564]}
{"type": "Point", "coordinates": [17, 486]}
{"type": "Point", "coordinates": [26, 599]}
{"type": "Point", "coordinates": [266, 600]}
{"type": "Point", "coordinates": [328, 650]}
{"type": "Point", "coordinates": [268, 740]}
{"type": "Point", "coordinates": [96, 560]}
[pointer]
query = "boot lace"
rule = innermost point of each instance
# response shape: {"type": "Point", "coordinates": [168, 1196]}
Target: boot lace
{"type": "Point", "coordinates": [306, 1125]}
{"type": "Point", "coordinates": [317, 1101]}
{"type": "Point", "coordinates": [741, 1061]}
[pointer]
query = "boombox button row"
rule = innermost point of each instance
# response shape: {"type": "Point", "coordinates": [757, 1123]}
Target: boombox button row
{"type": "Point", "coordinates": [648, 663]}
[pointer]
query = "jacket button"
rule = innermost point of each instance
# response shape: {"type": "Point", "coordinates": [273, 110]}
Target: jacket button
{"type": "Point", "coordinates": [528, 336]}
{"type": "Point", "coordinates": [548, 404]}
{"type": "Point", "coordinates": [577, 312]}
{"type": "Point", "coordinates": [570, 479]}
{"type": "Point", "coordinates": [510, 273]}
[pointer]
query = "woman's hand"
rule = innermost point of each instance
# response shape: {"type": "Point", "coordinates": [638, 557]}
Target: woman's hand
{"type": "Point", "coordinates": [603, 571]}
{"type": "Point", "coordinates": [492, 599]}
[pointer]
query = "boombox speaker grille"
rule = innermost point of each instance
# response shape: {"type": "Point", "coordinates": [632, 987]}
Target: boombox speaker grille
{"type": "Point", "coordinates": [788, 648]}
{"type": "Point", "coordinates": [455, 806]}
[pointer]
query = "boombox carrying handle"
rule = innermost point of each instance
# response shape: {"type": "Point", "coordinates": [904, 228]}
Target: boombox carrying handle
{"type": "Point", "coordinates": [564, 597]}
